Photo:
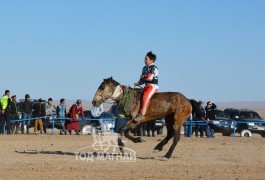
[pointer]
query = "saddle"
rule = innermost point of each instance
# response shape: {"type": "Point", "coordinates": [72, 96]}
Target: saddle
{"type": "Point", "coordinates": [137, 102]}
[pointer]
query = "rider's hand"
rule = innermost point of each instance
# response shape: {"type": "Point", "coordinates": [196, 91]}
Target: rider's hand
{"type": "Point", "coordinates": [136, 84]}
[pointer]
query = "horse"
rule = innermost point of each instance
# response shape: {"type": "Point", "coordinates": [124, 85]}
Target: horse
{"type": "Point", "coordinates": [174, 106]}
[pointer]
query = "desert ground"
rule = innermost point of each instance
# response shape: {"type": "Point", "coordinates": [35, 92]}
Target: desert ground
{"type": "Point", "coordinates": [55, 157]}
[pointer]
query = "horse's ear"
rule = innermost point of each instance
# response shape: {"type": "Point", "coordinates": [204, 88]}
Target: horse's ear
{"type": "Point", "coordinates": [104, 80]}
{"type": "Point", "coordinates": [111, 77]}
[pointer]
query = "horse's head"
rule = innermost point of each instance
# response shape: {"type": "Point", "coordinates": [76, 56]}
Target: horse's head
{"type": "Point", "coordinates": [105, 91]}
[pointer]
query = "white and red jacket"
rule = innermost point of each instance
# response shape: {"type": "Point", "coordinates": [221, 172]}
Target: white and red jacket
{"type": "Point", "coordinates": [149, 75]}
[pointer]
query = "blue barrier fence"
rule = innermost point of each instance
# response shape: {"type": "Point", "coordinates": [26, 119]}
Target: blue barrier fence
{"type": "Point", "coordinates": [53, 119]}
{"type": "Point", "coordinates": [232, 124]}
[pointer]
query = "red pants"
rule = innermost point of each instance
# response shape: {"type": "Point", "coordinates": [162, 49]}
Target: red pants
{"type": "Point", "coordinates": [149, 91]}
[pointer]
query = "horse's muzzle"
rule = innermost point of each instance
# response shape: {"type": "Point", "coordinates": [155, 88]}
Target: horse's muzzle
{"type": "Point", "coordinates": [96, 103]}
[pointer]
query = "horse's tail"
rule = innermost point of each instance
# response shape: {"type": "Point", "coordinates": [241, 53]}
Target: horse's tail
{"type": "Point", "coordinates": [196, 108]}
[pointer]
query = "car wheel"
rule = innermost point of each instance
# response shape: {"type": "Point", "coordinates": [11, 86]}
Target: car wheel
{"type": "Point", "coordinates": [226, 133]}
{"type": "Point", "coordinates": [160, 131]}
{"type": "Point", "coordinates": [245, 133]}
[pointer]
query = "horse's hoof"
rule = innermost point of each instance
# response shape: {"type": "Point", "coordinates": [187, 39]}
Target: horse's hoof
{"type": "Point", "coordinates": [142, 139]}
{"type": "Point", "coordinates": [122, 151]}
{"type": "Point", "coordinates": [156, 151]}
{"type": "Point", "coordinates": [164, 159]}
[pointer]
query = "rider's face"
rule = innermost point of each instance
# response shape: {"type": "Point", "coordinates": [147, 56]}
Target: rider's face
{"type": "Point", "coordinates": [147, 61]}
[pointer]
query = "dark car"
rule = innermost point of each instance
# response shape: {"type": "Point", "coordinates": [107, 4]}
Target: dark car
{"type": "Point", "coordinates": [222, 123]}
{"type": "Point", "coordinates": [248, 121]}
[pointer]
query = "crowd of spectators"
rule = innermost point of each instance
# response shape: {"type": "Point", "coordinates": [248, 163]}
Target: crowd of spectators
{"type": "Point", "coordinates": [207, 114]}
{"type": "Point", "coordinates": [40, 113]}
{"type": "Point", "coordinates": [43, 113]}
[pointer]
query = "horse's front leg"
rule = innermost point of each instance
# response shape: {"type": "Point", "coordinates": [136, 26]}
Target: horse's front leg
{"type": "Point", "coordinates": [120, 143]}
{"type": "Point", "coordinates": [126, 129]}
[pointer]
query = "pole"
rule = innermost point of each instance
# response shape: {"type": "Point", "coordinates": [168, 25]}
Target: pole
{"type": "Point", "coordinates": [4, 128]}
{"type": "Point", "coordinates": [234, 129]}
{"type": "Point", "coordinates": [52, 126]}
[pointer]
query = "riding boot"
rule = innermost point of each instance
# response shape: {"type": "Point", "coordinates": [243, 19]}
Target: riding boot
{"type": "Point", "coordinates": [138, 118]}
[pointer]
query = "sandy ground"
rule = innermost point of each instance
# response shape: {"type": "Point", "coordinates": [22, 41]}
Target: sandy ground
{"type": "Point", "coordinates": [52, 157]}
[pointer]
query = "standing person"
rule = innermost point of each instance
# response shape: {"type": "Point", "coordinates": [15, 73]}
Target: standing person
{"type": "Point", "coordinates": [50, 110]}
{"type": "Point", "coordinates": [1, 123]}
{"type": "Point", "coordinates": [203, 113]}
{"type": "Point", "coordinates": [119, 122]}
{"type": "Point", "coordinates": [5, 108]}
{"type": "Point", "coordinates": [187, 128]}
{"type": "Point", "coordinates": [150, 127]}
{"type": "Point", "coordinates": [14, 114]}
{"type": "Point", "coordinates": [149, 77]}
{"type": "Point", "coordinates": [96, 112]}
{"type": "Point", "coordinates": [39, 113]}
{"type": "Point", "coordinates": [27, 108]}
{"type": "Point", "coordinates": [61, 113]}
{"type": "Point", "coordinates": [73, 124]}
{"type": "Point", "coordinates": [210, 115]}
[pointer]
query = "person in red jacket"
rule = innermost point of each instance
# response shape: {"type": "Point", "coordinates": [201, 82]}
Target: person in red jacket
{"type": "Point", "coordinates": [73, 123]}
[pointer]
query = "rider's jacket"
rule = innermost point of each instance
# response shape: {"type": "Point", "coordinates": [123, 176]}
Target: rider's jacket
{"type": "Point", "coordinates": [149, 75]}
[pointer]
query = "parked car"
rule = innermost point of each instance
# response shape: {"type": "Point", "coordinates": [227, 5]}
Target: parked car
{"type": "Point", "coordinates": [222, 123]}
{"type": "Point", "coordinates": [254, 123]}
{"type": "Point", "coordinates": [107, 123]}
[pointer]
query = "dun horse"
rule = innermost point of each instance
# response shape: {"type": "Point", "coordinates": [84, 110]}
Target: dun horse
{"type": "Point", "coordinates": [174, 106]}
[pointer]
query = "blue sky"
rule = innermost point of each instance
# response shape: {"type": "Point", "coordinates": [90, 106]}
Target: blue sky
{"type": "Point", "coordinates": [206, 49]}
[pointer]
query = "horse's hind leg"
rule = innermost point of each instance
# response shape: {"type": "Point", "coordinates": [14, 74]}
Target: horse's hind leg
{"type": "Point", "coordinates": [169, 125]}
{"type": "Point", "coordinates": [176, 138]}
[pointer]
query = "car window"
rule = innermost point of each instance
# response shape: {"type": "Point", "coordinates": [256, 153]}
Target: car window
{"type": "Point", "coordinates": [220, 113]}
{"type": "Point", "coordinates": [87, 114]}
{"type": "Point", "coordinates": [106, 115]}
{"type": "Point", "coordinates": [245, 115]}
{"type": "Point", "coordinates": [256, 115]}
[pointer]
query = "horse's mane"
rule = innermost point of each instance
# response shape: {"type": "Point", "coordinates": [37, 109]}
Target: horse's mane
{"type": "Point", "coordinates": [107, 81]}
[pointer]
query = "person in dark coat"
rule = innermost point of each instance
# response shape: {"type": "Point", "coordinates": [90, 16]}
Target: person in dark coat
{"type": "Point", "coordinates": [14, 114]}
{"type": "Point", "coordinates": [73, 113]}
{"type": "Point", "coordinates": [27, 108]}
{"type": "Point", "coordinates": [210, 115]}
{"type": "Point", "coordinates": [203, 113]}
{"type": "Point", "coordinates": [39, 114]}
